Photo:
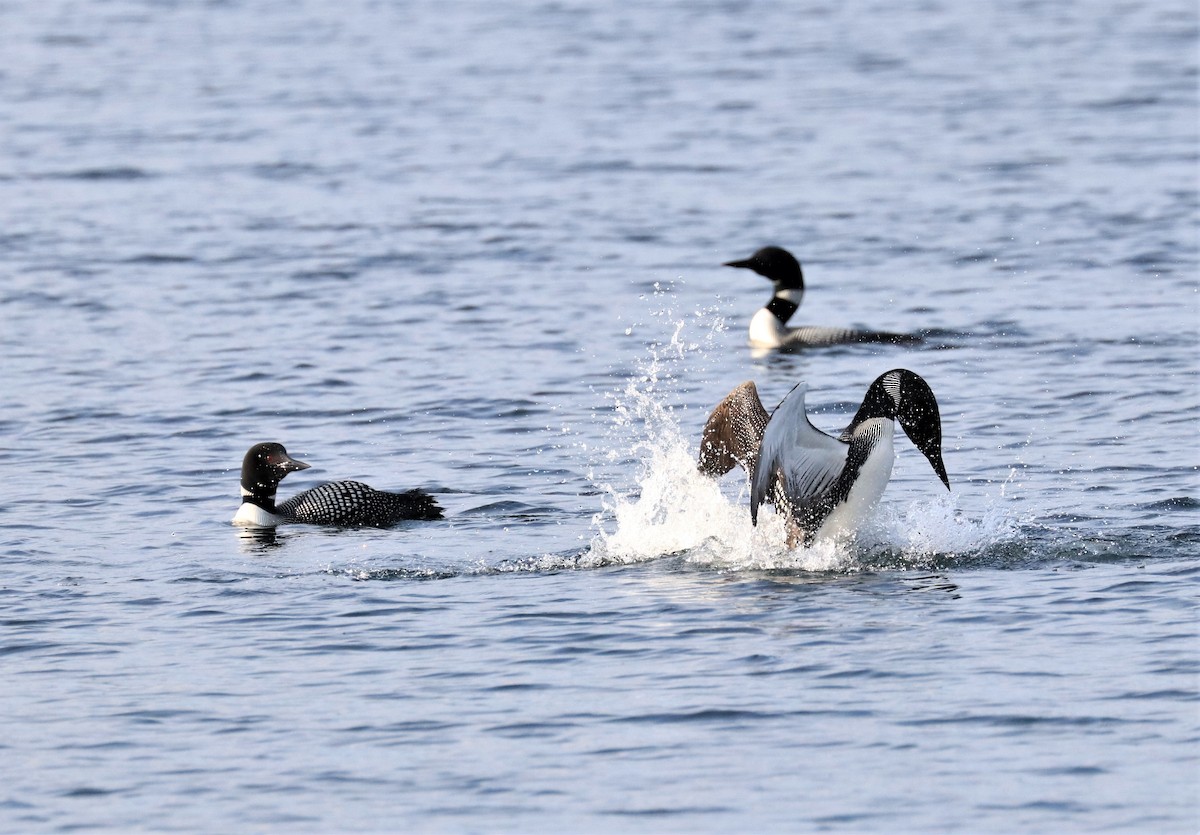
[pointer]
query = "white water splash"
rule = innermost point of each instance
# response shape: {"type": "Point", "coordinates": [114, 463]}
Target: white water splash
{"type": "Point", "coordinates": [933, 527]}
{"type": "Point", "coordinates": [673, 510]}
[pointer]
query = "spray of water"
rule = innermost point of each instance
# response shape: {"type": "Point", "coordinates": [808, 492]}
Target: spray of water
{"type": "Point", "coordinates": [673, 510]}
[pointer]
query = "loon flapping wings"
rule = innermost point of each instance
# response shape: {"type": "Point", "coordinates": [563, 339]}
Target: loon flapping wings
{"type": "Point", "coordinates": [823, 485]}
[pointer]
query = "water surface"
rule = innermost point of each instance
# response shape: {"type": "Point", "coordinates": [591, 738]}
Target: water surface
{"type": "Point", "coordinates": [476, 249]}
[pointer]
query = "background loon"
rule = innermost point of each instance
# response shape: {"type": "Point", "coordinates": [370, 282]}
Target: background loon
{"type": "Point", "coordinates": [343, 503]}
{"type": "Point", "coordinates": [768, 328]}
{"type": "Point", "coordinates": [823, 485]}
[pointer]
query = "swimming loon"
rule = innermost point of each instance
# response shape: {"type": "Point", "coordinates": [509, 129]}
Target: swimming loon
{"type": "Point", "coordinates": [341, 503]}
{"type": "Point", "coordinates": [821, 484]}
{"type": "Point", "coordinates": [768, 328]}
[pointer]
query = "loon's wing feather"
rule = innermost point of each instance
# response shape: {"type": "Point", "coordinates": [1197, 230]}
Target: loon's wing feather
{"type": "Point", "coordinates": [352, 503]}
{"type": "Point", "coordinates": [797, 462]}
{"type": "Point", "coordinates": [815, 336]}
{"type": "Point", "coordinates": [733, 432]}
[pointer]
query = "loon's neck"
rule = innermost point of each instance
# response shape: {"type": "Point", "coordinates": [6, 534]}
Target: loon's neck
{"type": "Point", "coordinates": [784, 303]}
{"type": "Point", "coordinates": [260, 499]}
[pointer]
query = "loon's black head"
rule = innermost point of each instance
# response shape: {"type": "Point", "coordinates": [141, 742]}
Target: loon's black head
{"type": "Point", "coordinates": [903, 396]}
{"type": "Point", "coordinates": [264, 467]}
{"type": "Point", "coordinates": [775, 263]}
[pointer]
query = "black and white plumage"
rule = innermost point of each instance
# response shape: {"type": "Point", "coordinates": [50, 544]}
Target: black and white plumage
{"type": "Point", "coordinates": [768, 327]}
{"type": "Point", "coordinates": [340, 503]}
{"type": "Point", "coordinates": [823, 485]}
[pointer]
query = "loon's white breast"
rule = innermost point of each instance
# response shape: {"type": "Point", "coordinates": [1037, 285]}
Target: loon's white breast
{"type": "Point", "coordinates": [252, 516]}
{"type": "Point", "coordinates": [869, 483]}
{"type": "Point", "coordinates": [766, 331]}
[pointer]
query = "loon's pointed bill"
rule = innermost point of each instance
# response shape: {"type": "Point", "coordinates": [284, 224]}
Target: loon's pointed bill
{"type": "Point", "coordinates": [823, 485]}
{"type": "Point", "coordinates": [769, 328]}
{"type": "Point", "coordinates": [339, 503]}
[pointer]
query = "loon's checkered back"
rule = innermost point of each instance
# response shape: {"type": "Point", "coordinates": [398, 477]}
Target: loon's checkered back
{"type": "Point", "coordinates": [351, 503]}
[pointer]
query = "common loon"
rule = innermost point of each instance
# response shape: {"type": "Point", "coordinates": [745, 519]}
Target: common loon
{"type": "Point", "coordinates": [341, 503]}
{"type": "Point", "coordinates": [768, 328]}
{"type": "Point", "coordinates": [821, 484]}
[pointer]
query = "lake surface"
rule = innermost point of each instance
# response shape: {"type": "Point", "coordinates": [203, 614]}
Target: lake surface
{"type": "Point", "coordinates": [477, 248]}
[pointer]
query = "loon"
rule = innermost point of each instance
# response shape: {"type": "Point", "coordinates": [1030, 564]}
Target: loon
{"type": "Point", "coordinates": [822, 485]}
{"type": "Point", "coordinates": [341, 503]}
{"type": "Point", "coordinates": [768, 328]}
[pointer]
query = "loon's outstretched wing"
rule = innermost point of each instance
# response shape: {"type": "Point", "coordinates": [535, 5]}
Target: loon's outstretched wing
{"type": "Point", "coordinates": [733, 432]}
{"type": "Point", "coordinates": [797, 462]}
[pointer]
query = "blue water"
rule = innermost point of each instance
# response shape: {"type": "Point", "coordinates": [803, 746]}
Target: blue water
{"type": "Point", "coordinates": [476, 248]}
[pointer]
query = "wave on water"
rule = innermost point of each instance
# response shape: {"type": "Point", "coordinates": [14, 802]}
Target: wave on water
{"type": "Point", "coordinates": [674, 510]}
